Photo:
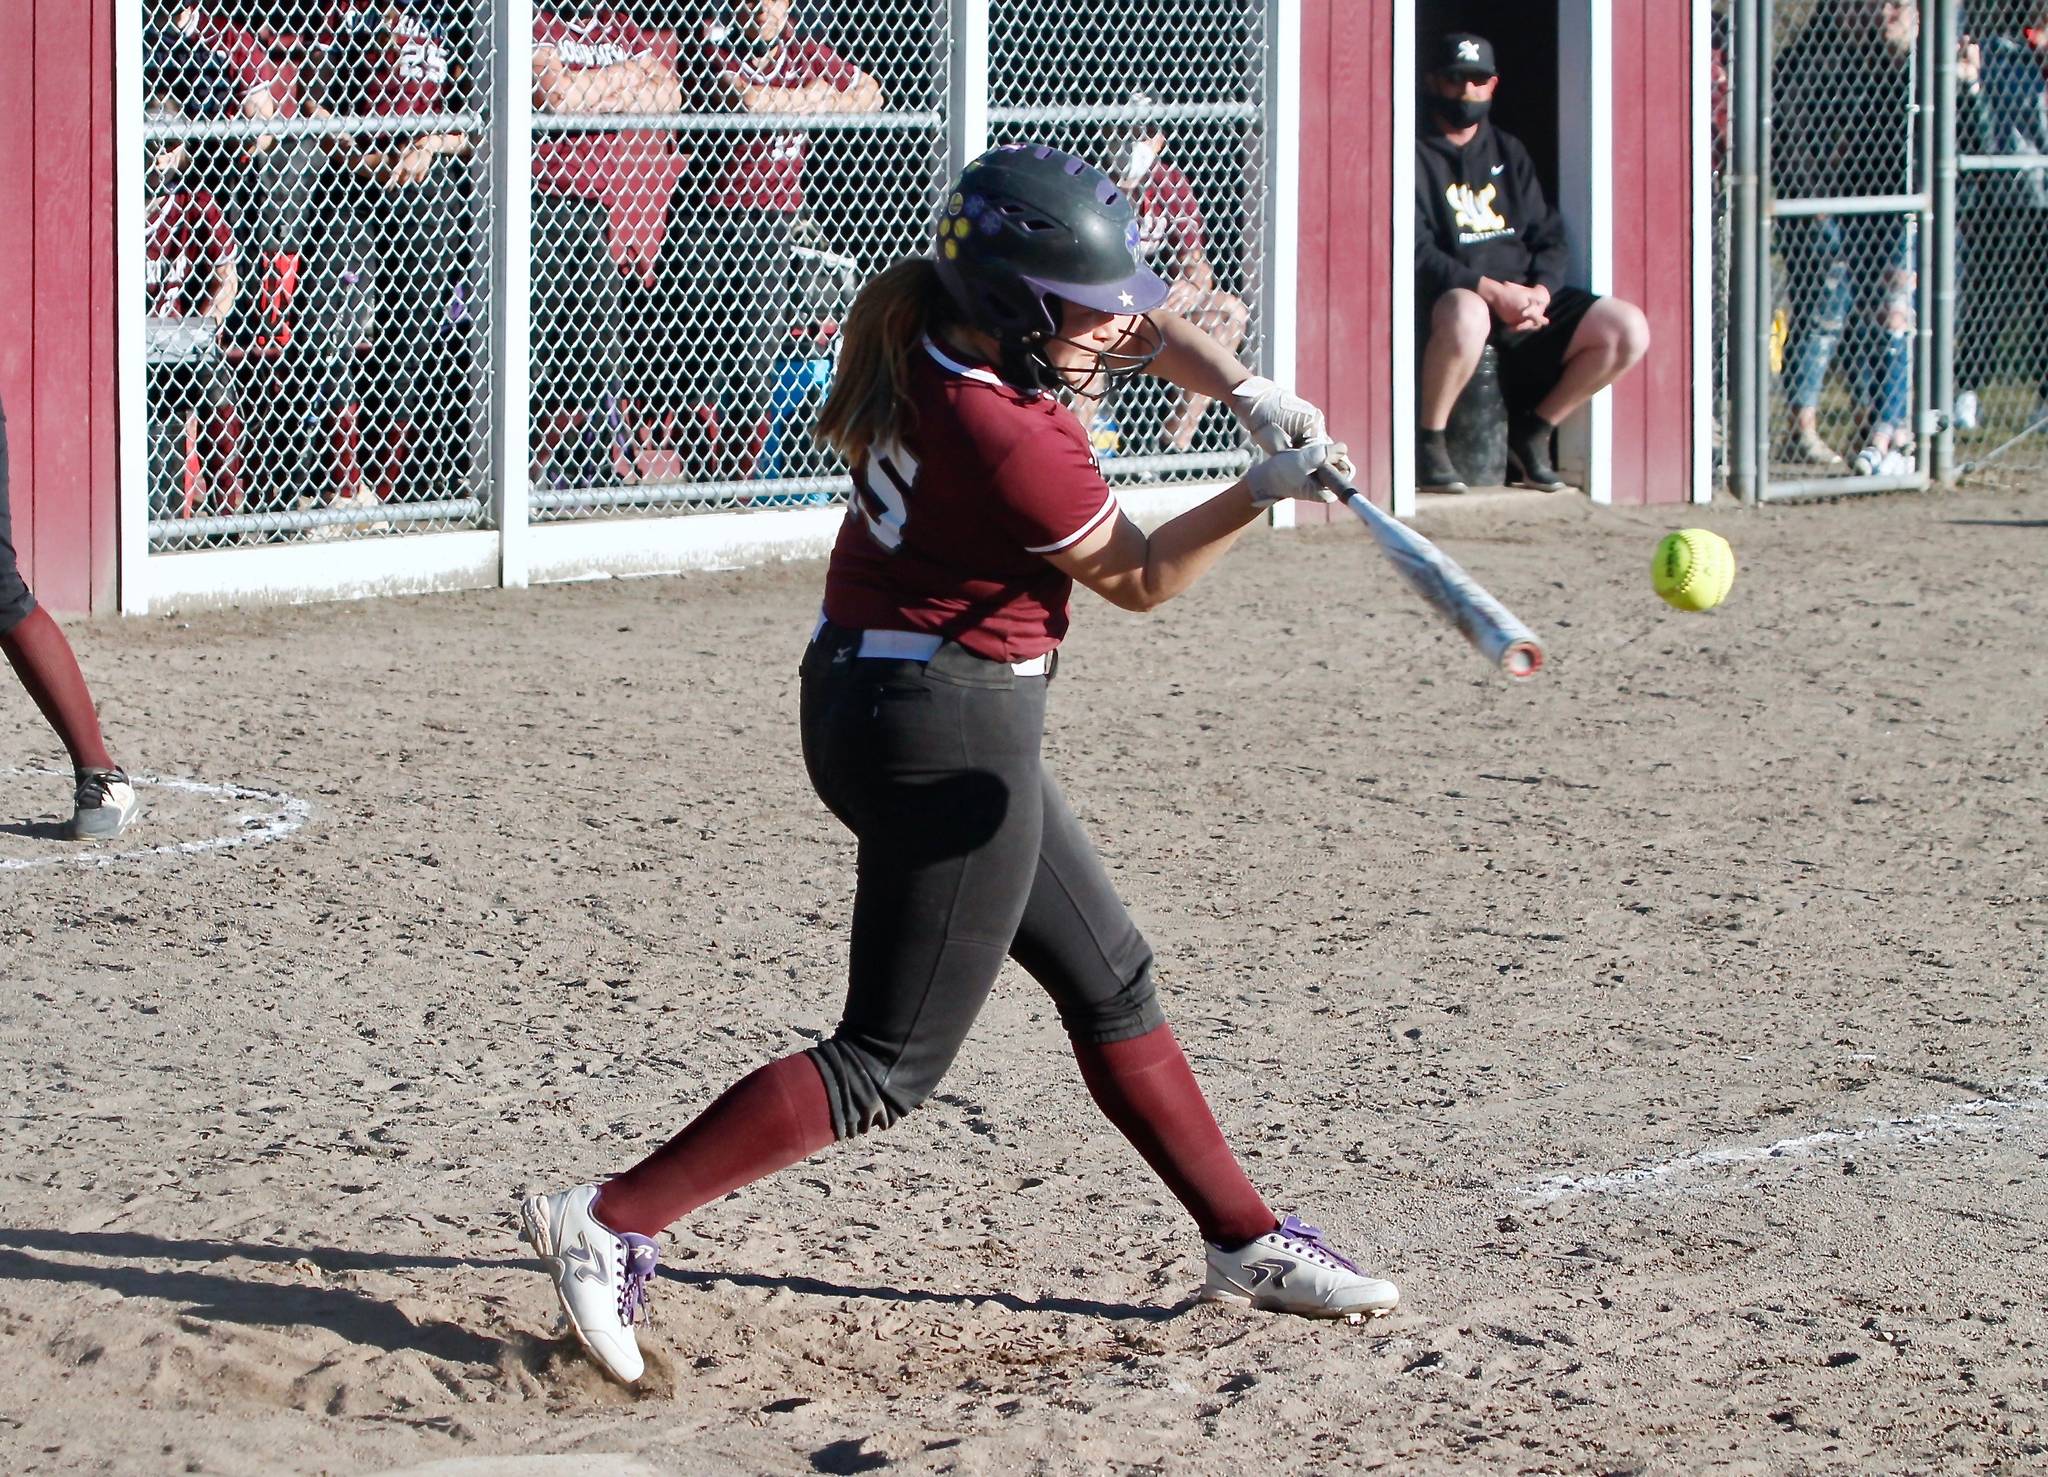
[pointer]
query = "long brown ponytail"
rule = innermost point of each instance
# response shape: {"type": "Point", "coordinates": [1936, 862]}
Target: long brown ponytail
{"type": "Point", "coordinates": [869, 400]}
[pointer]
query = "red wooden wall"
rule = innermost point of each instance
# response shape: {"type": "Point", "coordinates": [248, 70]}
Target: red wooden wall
{"type": "Point", "coordinates": [57, 287]}
{"type": "Point", "coordinates": [1345, 337]}
{"type": "Point", "coordinates": [1653, 183]}
{"type": "Point", "coordinates": [1345, 352]}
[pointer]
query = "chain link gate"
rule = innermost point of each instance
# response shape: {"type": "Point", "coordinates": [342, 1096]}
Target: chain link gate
{"type": "Point", "coordinates": [1169, 96]}
{"type": "Point", "coordinates": [1850, 215]}
{"type": "Point", "coordinates": [317, 285]}
{"type": "Point", "coordinates": [2000, 414]}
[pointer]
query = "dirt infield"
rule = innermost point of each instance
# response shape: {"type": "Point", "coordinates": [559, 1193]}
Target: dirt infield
{"type": "Point", "coordinates": [1674, 1029]}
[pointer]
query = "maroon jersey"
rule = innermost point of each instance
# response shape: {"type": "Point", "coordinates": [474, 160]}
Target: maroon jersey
{"type": "Point", "coordinates": [408, 69]}
{"type": "Point", "coordinates": [261, 61]}
{"type": "Point", "coordinates": [766, 170]}
{"type": "Point", "coordinates": [631, 173]}
{"type": "Point", "coordinates": [585, 164]}
{"type": "Point", "coordinates": [948, 531]}
{"type": "Point", "coordinates": [1169, 220]}
{"type": "Point", "coordinates": [188, 242]}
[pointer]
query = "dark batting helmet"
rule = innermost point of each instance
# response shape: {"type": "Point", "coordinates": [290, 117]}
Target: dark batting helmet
{"type": "Point", "coordinates": [1026, 227]}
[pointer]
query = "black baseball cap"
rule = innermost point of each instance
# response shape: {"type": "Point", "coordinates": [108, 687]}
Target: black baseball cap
{"type": "Point", "coordinates": [1462, 54]}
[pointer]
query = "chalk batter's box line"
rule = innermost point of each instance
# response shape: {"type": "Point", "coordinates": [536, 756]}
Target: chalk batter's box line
{"type": "Point", "coordinates": [2010, 1112]}
{"type": "Point", "coordinates": [286, 814]}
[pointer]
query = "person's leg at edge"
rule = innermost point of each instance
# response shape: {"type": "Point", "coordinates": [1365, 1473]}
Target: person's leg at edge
{"type": "Point", "coordinates": [40, 655]}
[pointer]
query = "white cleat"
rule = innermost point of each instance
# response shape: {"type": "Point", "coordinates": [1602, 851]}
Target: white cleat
{"type": "Point", "coordinates": [104, 805]}
{"type": "Point", "coordinates": [600, 1275]}
{"type": "Point", "coordinates": [1290, 1271]}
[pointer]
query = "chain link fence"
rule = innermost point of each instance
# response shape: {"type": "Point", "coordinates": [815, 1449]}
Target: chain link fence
{"type": "Point", "coordinates": [317, 293]}
{"type": "Point", "coordinates": [691, 271]}
{"type": "Point", "coordinates": [1847, 170]}
{"type": "Point", "coordinates": [1170, 95]}
{"type": "Point", "coordinates": [2000, 411]}
{"type": "Point", "coordinates": [711, 184]}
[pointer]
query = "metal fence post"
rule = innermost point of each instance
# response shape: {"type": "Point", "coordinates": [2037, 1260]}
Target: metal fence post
{"type": "Point", "coordinates": [1926, 406]}
{"type": "Point", "coordinates": [966, 85]}
{"type": "Point", "coordinates": [511, 252]}
{"type": "Point", "coordinates": [1747, 394]}
{"type": "Point", "coordinates": [1945, 227]}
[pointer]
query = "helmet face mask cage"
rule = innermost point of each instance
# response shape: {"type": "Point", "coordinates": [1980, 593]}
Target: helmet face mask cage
{"type": "Point", "coordinates": [1112, 366]}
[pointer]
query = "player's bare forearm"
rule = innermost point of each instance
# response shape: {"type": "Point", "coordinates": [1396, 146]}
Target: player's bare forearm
{"type": "Point", "coordinates": [226, 283]}
{"type": "Point", "coordinates": [1134, 571]}
{"type": "Point", "coordinates": [1193, 360]}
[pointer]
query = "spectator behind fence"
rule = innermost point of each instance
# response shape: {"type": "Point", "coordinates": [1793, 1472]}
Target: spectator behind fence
{"type": "Point", "coordinates": [2002, 93]}
{"type": "Point", "coordinates": [1842, 126]}
{"type": "Point", "coordinates": [739, 269]}
{"type": "Point", "coordinates": [1490, 265]}
{"type": "Point", "coordinates": [190, 286]}
{"type": "Point", "coordinates": [391, 61]}
{"type": "Point", "coordinates": [308, 314]}
{"type": "Point", "coordinates": [600, 211]}
{"type": "Point", "coordinates": [1173, 242]}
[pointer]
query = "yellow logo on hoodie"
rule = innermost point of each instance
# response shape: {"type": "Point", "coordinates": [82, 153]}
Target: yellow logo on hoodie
{"type": "Point", "coordinates": [1477, 219]}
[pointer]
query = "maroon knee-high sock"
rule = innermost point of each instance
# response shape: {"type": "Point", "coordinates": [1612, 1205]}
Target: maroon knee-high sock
{"type": "Point", "coordinates": [766, 1121]}
{"type": "Point", "coordinates": [1144, 1086]}
{"type": "Point", "coordinates": [42, 658]}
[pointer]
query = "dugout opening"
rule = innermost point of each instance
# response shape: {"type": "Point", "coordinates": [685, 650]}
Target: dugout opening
{"type": "Point", "coordinates": [1553, 96]}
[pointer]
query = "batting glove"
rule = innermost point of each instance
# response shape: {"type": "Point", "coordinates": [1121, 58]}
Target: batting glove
{"type": "Point", "coordinates": [1277, 419]}
{"type": "Point", "coordinates": [1280, 420]}
{"type": "Point", "coordinates": [1292, 473]}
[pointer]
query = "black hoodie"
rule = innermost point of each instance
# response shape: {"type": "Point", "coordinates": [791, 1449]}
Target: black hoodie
{"type": "Point", "coordinates": [1480, 212]}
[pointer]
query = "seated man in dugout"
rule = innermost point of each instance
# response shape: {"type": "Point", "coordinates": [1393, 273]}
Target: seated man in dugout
{"type": "Point", "coordinates": [1490, 263]}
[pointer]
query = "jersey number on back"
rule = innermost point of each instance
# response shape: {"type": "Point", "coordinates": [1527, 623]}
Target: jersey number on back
{"type": "Point", "coordinates": [882, 491]}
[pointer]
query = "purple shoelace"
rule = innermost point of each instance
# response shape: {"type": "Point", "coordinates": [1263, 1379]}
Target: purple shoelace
{"type": "Point", "coordinates": [641, 1260]}
{"type": "Point", "coordinates": [1301, 1230]}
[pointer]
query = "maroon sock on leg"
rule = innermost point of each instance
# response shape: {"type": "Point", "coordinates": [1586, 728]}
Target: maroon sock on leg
{"type": "Point", "coordinates": [1145, 1087]}
{"type": "Point", "coordinates": [766, 1121]}
{"type": "Point", "coordinates": [43, 660]}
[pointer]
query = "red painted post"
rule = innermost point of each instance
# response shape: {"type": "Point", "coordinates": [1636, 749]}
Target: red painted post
{"type": "Point", "coordinates": [57, 373]}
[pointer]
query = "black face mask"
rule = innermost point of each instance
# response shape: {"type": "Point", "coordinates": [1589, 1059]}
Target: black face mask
{"type": "Point", "coordinates": [1458, 112]}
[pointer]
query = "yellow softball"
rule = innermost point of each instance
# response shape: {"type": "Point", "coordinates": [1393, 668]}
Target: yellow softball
{"type": "Point", "coordinates": [1693, 568]}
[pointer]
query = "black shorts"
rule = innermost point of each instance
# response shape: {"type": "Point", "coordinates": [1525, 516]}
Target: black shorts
{"type": "Point", "coordinates": [1532, 359]}
{"type": "Point", "coordinates": [15, 600]}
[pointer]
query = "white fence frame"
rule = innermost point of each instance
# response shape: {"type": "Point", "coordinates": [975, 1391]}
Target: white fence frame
{"type": "Point", "coordinates": [518, 551]}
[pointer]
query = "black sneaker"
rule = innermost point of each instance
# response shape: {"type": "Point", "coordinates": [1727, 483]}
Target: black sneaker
{"type": "Point", "coordinates": [105, 805]}
{"type": "Point", "coordinates": [1529, 455]}
{"type": "Point", "coordinates": [1434, 469]}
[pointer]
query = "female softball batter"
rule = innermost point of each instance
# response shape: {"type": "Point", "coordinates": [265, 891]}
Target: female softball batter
{"type": "Point", "coordinates": [977, 506]}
